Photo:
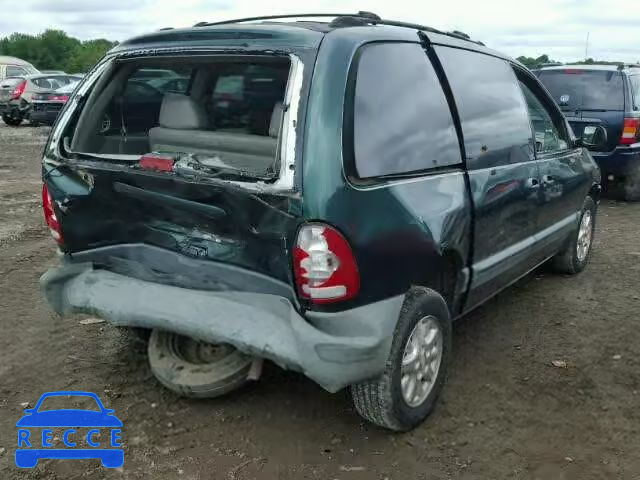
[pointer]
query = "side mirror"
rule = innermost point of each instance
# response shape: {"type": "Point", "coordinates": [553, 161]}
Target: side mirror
{"type": "Point", "coordinates": [594, 136]}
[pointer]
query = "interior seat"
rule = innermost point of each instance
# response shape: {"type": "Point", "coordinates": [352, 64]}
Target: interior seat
{"type": "Point", "coordinates": [183, 127]}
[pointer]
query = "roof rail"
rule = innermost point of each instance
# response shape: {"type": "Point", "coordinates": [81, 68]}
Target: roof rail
{"type": "Point", "coordinates": [628, 65]}
{"type": "Point", "coordinates": [366, 17]}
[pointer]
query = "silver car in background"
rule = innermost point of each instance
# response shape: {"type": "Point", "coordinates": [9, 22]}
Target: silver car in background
{"type": "Point", "coordinates": [17, 94]}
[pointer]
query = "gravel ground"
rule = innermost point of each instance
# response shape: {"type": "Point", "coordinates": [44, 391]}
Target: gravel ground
{"type": "Point", "coordinates": [507, 411]}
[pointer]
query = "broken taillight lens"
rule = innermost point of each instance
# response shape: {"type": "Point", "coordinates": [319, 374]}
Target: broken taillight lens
{"type": "Point", "coordinates": [50, 215]}
{"type": "Point", "coordinates": [324, 266]}
{"type": "Point", "coordinates": [152, 161]}
{"type": "Point", "coordinates": [19, 90]}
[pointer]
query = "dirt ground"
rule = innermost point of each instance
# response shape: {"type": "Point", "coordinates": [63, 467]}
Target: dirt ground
{"type": "Point", "coordinates": [506, 413]}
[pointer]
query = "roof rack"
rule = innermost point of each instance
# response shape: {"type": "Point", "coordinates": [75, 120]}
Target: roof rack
{"type": "Point", "coordinates": [366, 18]}
{"type": "Point", "coordinates": [628, 65]}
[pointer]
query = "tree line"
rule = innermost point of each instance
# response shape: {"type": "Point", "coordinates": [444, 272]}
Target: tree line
{"type": "Point", "coordinates": [55, 50]}
{"type": "Point", "coordinates": [543, 60]}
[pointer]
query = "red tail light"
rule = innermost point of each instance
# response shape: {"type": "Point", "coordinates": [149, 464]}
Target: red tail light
{"type": "Point", "coordinates": [324, 266]}
{"type": "Point", "coordinates": [59, 98]}
{"type": "Point", "coordinates": [50, 215]}
{"type": "Point", "coordinates": [630, 131]}
{"type": "Point", "coordinates": [152, 161]}
{"type": "Point", "coordinates": [19, 90]}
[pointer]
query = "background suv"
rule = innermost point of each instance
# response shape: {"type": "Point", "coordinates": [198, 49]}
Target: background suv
{"type": "Point", "coordinates": [609, 96]}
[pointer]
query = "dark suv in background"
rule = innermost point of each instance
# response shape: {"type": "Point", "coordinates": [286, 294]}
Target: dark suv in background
{"type": "Point", "coordinates": [609, 96]}
{"type": "Point", "coordinates": [325, 195]}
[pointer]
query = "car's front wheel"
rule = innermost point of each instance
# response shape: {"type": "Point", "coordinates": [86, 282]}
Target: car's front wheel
{"type": "Point", "coordinates": [575, 256]}
{"type": "Point", "coordinates": [416, 370]}
{"type": "Point", "coordinates": [196, 369]}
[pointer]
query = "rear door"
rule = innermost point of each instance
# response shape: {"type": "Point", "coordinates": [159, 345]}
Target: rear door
{"type": "Point", "coordinates": [503, 172]}
{"type": "Point", "coordinates": [589, 97]}
{"type": "Point", "coordinates": [566, 178]}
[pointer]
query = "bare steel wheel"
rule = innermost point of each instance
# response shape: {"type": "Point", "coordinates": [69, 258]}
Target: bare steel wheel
{"type": "Point", "coordinates": [194, 368]}
{"type": "Point", "coordinates": [421, 361]}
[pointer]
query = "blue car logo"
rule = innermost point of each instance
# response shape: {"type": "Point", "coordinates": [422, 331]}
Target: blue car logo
{"type": "Point", "coordinates": [35, 433]}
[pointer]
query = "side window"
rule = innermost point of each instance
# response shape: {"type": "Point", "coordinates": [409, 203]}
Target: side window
{"type": "Point", "coordinates": [494, 118]}
{"type": "Point", "coordinates": [13, 71]}
{"type": "Point", "coordinates": [635, 87]}
{"type": "Point", "coordinates": [550, 134]}
{"type": "Point", "coordinates": [401, 119]}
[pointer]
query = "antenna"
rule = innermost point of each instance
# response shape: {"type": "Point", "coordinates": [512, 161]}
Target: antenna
{"type": "Point", "coordinates": [586, 48]}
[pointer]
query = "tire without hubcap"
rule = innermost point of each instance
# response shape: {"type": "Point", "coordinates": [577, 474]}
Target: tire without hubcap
{"type": "Point", "coordinates": [196, 369]}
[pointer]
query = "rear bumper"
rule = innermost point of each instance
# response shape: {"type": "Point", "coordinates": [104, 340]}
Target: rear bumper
{"type": "Point", "coordinates": [43, 116]}
{"type": "Point", "coordinates": [333, 349]}
{"type": "Point", "coordinates": [619, 162]}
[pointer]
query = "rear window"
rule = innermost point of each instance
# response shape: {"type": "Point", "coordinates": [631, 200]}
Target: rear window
{"type": "Point", "coordinates": [218, 114]}
{"type": "Point", "coordinates": [577, 89]}
{"type": "Point", "coordinates": [53, 82]}
{"type": "Point", "coordinates": [401, 119]}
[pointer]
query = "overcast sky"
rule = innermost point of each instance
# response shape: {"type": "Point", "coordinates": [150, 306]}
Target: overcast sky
{"type": "Point", "coordinates": [556, 27]}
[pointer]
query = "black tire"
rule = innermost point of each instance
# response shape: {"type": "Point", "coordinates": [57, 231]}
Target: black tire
{"type": "Point", "coordinates": [380, 400]}
{"type": "Point", "coordinates": [567, 261]}
{"type": "Point", "coordinates": [11, 121]}
{"type": "Point", "coordinates": [631, 187]}
{"type": "Point", "coordinates": [177, 365]}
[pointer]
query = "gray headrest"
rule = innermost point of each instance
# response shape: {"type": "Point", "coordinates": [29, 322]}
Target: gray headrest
{"type": "Point", "coordinates": [276, 120]}
{"type": "Point", "coordinates": [181, 112]}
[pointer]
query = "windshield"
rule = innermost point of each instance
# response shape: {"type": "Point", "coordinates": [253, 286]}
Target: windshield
{"type": "Point", "coordinates": [577, 89]}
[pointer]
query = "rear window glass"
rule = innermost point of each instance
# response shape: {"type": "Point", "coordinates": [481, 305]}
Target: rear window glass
{"type": "Point", "coordinates": [578, 89]}
{"type": "Point", "coordinates": [53, 82]}
{"type": "Point", "coordinates": [221, 113]}
{"type": "Point", "coordinates": [402, 121]}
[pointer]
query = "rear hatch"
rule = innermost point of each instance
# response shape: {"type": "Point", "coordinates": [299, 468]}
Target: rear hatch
{"type": "Point", "coordinates": [192, 152]}
{"type": "Point", "coordinates": [589, 97]}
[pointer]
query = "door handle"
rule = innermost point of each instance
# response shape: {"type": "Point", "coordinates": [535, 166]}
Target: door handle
{"type": "Point", "coordinates": [547, 179]}
{"type": "Point", "coordinates": [532, 183]}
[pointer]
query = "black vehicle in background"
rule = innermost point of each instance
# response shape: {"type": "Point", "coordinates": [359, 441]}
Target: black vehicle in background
{"type": "Point", "coordinates": [45, 107]}
{"type": "Point", "coordinates": [608, 96]}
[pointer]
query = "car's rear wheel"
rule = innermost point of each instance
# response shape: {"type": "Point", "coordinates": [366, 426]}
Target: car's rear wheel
{"type": "Point", "coordinates": [11, 121]}
{"type": "Point", "coordinates": [575, 256]}
{"type": "Point", "coordinates": [196, 369]}
{"type": "Point", "coordinates": [416, 370]}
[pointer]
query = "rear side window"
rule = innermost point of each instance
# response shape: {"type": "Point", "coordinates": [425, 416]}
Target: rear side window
{"type": "Point", "coordinates": [494, 116]}
{"type": "Point", "coordinates": [577, 89]}
{"type": "Point", "coordinates": [401, 122]}
{"type": "Point", "coordinates": [13, 71]}
{"type": "Point", "coordinates": [635, 88]}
